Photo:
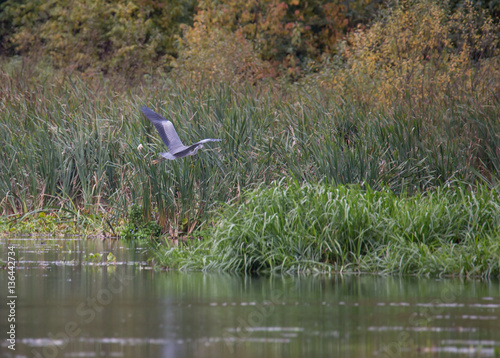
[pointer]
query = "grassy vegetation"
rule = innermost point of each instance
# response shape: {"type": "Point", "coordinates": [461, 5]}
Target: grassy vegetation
{"type": "Point", "coordinates": [288, 227]}
{"type": "Point", "coordinates": [67, 143]}
{"type": "Point", "coordinates": [73, 153]}
{"type": "Point", "coordinates": [398, 112]}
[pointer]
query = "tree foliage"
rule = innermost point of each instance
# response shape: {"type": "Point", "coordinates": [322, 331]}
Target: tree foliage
{"type": "Point", "coordinates": [286, 34]}
{"type": "Point", "coordinates": [419, 50]}
{"type": "Point", "coordinates": [234, 40]}
{"type": "Point", "coordinates": [123, 35]}
{"type": "Point", "coordinates": [219, 56]}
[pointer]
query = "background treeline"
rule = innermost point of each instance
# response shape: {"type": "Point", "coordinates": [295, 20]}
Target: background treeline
{"type": "Point", "coordinates": [141, 34]}
{"type": "Point", "coordinates": [234, 40]}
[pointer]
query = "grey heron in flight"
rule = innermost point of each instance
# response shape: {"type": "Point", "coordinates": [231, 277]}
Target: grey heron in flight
{"type": "Point", "coordinates": [169, 136]}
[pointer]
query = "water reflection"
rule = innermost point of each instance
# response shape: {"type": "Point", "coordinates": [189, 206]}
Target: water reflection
{"type": "Point", "coordinates": [70, 307]}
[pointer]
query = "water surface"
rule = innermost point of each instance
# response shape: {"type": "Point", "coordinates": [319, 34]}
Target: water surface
{"type": "Point", "coordinates": [76, 300]}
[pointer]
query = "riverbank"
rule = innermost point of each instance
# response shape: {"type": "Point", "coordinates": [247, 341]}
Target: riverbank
{"type": "Point", "coordinates": [287, 227]}
{"type": "Point", "coordinates": [71, 164]}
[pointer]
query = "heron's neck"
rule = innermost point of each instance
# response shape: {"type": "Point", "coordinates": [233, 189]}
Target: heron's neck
{"type": "Point", "coordinates": [195, 150]}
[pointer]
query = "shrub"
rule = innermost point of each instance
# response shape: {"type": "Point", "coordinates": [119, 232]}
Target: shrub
{"type": "Point", "coordinates": [286, 34]}
{"type": "Point", "coordinates": [421, 53]}
{"type": "Point", "coordinates": [219, 56]}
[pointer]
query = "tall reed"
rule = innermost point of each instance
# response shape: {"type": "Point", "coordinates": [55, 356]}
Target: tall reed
{"type": "Point", "coordinates": [72, 143]}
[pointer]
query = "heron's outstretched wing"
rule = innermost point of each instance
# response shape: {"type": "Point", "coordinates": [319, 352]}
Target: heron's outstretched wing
{"type": "Point", "coordinates": [165, 129]}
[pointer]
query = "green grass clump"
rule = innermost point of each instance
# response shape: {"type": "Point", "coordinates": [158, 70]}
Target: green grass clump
{"type": "Point", "coordinates": [288, 227]}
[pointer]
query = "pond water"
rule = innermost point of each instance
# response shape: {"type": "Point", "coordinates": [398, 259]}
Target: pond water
{"type": "Point", "coordinates": [73, 299]}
